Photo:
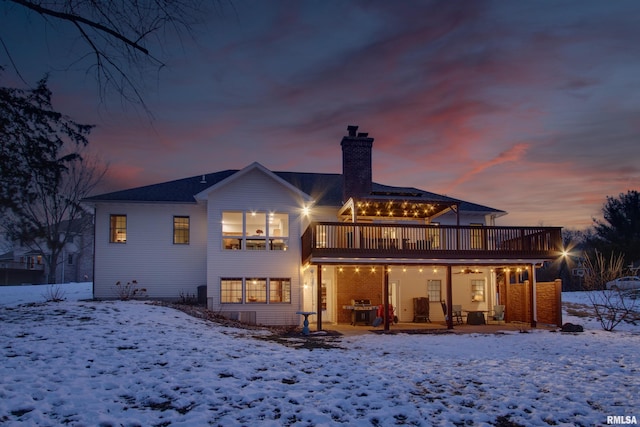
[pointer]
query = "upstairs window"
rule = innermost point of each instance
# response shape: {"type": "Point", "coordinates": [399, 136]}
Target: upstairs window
{"type": "Point", "coordinates": [118, 229]}
{"type": "Point", "coordinates": [181, 230]}
{"type": "Point", "coordinates": [255, 231]}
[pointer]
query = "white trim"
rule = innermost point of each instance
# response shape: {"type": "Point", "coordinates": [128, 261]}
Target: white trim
{"type": "Point", "coordinates": [204, 195]}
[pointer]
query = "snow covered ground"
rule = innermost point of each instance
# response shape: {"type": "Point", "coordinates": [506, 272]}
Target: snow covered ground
{"type": "Point", "coordinates": [82, 363]}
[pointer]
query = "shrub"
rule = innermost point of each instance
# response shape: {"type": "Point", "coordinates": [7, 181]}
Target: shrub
{"type": "Point", "coordinates": [129, 290]}
{"type": "Point", "coordinates": [54, 293]}
{"type": "Point", "coordinates": [612, 306]}
{"type": "Point", "coordinates": [188, 299]}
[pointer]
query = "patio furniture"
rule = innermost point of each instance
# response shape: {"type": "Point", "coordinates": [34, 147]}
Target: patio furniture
{"type": "Point", "coordinates": [498, 314]}
{"type": "Point", "coordinates": [421, 310]}
{"type": "Point", "coordinates": [456, 314]}
{"type": "Point", "coordinates": [475, 317]}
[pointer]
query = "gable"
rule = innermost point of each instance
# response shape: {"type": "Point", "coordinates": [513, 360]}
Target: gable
{"type": "Point", "coordinates": [254, 176]}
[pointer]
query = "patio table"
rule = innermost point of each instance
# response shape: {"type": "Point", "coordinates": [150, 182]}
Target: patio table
{"type": "Point", "coordinates": [475, 317]}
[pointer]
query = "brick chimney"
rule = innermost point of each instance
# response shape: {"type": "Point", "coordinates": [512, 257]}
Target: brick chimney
{"type": "Point", "coordinates": [356, 164]}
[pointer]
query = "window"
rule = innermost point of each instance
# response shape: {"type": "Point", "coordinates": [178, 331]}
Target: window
{"type": "Point", "coordinates": [70, 259]}
{"type": "Point", "coordinates": [434, 290]}
{"type": "Point", "coordinates": [278, 231]}
{"type": "Point", "coordinates": [118, 229]}
{"type": "Point", "coordinates": [256, 290]}
{"type": "Point", "coordinates": [181, 230]}
{"type": "Point", "coordinates": [280, 290]}
{"type": "Point", "coordinates": [255, 231]}
{"type": "Point", "coordinates": [231, 290]}
{"type": "Point", "coordinates": [232, 230]}
{"type": "Point", "coordinates": [477, 290]}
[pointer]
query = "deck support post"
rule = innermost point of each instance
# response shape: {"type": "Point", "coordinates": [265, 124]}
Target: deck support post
{"type": "Point", "coordinates": [385, 298]}
{"type": "Point", "coordinates": [449, 298]}
{"type": "Point", "coordinates": [319, 298]}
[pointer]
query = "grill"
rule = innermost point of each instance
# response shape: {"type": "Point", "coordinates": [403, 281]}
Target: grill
{"type": "Point", "coordinates": [361, 311]}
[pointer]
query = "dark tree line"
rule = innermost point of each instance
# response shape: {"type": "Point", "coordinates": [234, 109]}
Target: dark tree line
{"type": "Point", "coordinates": [44, 176]}
{"type": "Point", "coordinates": [616, 235]}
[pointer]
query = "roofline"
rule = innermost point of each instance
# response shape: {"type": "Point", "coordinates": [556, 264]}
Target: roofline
{"type": "Point", "coordinates": [253, 166]}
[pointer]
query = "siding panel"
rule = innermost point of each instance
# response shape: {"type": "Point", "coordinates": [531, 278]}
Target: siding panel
{"type": "Point", "coordinates": [149, 255]}
{"type": "Point", "coordinates": [258, 192]}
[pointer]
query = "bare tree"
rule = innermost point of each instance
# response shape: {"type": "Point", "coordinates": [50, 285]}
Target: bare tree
{"type": "Point", "coordinates": [121, 37]}
{"type": "Point", "coordinates": [45, 173]}
{"type": "Point", "coordinates": [611, 306]}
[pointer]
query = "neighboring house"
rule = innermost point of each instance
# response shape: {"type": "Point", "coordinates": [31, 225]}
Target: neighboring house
{"type": "Point", "coordinates": [21, 268]}
{"type": "Point", "coordinates": [25, 265]}
{"type": "Point", "coordinates": [269, 244]}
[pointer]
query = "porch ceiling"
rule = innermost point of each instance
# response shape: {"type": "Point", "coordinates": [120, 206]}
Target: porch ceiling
{"type": "Point", "coordinates": [395, 206]}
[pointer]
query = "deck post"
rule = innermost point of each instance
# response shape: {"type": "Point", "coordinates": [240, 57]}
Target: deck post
{"type": "Point", "coordinates": [385, 298]}
{"type": "Point", "coordinates": [319, 298]}
{"type": "Point", "coordinates": [532, 293]}
{"type": "Point", "coordinates": [449, 298]}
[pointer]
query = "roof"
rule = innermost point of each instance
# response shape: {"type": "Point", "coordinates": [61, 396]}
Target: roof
{"type": "Point", "coordinates": [324, 188]}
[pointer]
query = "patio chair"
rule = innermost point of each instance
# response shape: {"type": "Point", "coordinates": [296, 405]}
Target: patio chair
{"type": "Point", "coordinates": [497, 315]}
{"type": "Point", "coordinates": [456, 314]}
{"type": "Point", "coordinates": [421, 310]}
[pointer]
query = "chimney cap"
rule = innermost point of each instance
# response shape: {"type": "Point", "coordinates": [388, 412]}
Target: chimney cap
{"type": "Point", "coordinates": [352, 130]}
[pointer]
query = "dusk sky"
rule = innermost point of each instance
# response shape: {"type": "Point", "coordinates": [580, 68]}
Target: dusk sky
{"type": "Point", "coordinates": [532, 107]}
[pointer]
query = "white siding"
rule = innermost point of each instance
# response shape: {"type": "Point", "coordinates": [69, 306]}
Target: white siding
{"type": "Point", "coordinates": [149, 256]}
{"type": "Point", "coordinates": [255, 191]}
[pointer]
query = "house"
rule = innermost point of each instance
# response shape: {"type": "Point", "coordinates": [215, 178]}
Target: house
{"type": "Point", "coordinates": [269, 244]}
{"type": "Point", "coordinates": [26, 265]}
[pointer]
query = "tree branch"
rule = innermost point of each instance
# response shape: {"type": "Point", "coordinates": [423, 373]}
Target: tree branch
{"type": "Point", "coordinates": [78, 20]}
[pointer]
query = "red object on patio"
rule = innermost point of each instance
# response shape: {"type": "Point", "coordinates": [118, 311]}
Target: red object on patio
{"type": "Point", "coordinates": [380, 312]}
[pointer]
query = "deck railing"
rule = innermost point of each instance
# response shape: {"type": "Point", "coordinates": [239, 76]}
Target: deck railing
{"type": "Point", "coordinates": [15, 265]}
{"type": "Point", "coordinates": [328, 239]}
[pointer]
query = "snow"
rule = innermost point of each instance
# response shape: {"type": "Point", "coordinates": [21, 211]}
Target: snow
{"type": "Point", "coordinates": [87, 363]}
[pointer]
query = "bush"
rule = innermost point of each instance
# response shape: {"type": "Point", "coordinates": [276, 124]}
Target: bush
{"type": "Point", "coordinates": [612, 306]}
{"type": "Point", "coordinates": [188, 299]}
{"type": "Point", "coordinates": [54, 293]}
{"type": "Point", "coordinates": [129, 291]}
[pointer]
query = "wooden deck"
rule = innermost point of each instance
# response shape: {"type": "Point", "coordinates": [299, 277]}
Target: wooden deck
{"type": "Point", "coordinates": [339, 242]}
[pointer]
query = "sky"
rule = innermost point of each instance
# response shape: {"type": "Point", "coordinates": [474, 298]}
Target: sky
{"type": "Point", "coordinates": [82, 362]}
{"type": "Point", "coordinates": [531, 107]}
